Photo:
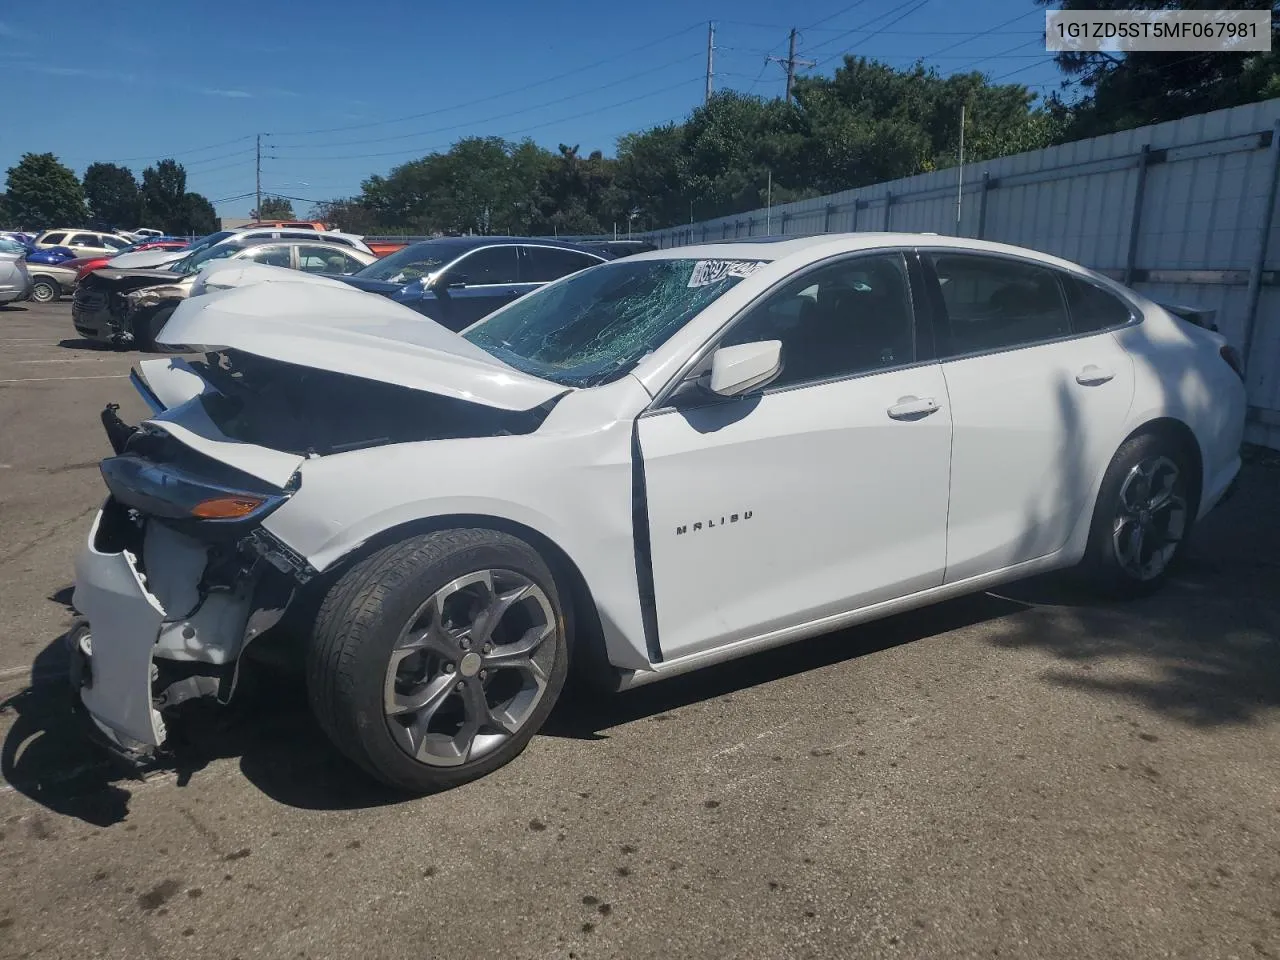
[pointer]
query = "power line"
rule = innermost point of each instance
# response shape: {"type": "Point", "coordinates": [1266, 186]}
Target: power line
{"type": "Point", "coordinates": [875, 33]}
{"type": "Point", "coordinates": [501, 116]}
{"type": "Point", "coordinates": [983, 33]}
{"type": "Point", "coordinates": [862, 27]}
{"type": "Point", "coordinates": [165, 155]}
{"type": "Point", "coordinates": [612, 58]}
{"type": "Point", "coordinates": [838, 13]}
{"type": "Point", "coordinates": [537, 126]}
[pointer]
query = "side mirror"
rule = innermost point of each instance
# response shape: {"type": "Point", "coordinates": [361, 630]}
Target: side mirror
{"type": "Point", "coordinates": [746, 366]}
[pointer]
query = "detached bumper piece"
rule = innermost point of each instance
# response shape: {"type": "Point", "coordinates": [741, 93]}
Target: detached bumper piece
{"type": "Point", "coordinates": [125, 624]}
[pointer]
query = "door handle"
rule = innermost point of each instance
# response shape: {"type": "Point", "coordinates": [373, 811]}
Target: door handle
{"type": "Point", "coordinates": [1093, 375]}
{"type": "Point", "coordinates": [913, 408]}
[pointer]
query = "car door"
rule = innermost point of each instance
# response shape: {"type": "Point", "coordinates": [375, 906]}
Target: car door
{"type": "Point", "coordinates": [1039, 399]}
{"type": "Point", "coordinates": [824, 491]}
{"type": "Point", "coordinates": [474, 286]}
{"type": "Point", "coordinates": [86, 244]}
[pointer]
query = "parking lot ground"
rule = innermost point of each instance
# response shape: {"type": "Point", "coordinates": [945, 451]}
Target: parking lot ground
{"type": "Point", "coordinates": [1018, 775]}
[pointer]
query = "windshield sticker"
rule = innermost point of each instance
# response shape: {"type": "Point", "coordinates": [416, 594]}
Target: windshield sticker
{"type": "Point", "coordinates": [707, 272]}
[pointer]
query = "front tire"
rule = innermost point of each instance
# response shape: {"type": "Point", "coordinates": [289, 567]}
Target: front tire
{"type": "Point", "coordinates": [45, 290]}
{"type": "Point", "coordinates": [151, 327]}
{"type": "Point", "coordinates": [1141, 519]}
{"type": "Point", "coordinates": [434, 661]}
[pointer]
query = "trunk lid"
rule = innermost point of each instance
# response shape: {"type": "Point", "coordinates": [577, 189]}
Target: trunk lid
{"type": "Point", "coordinates": [347, 331]}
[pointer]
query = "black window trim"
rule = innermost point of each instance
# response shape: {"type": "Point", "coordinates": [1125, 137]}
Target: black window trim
{"type": "Point", "coordinates": [661, 405]}
{"type": "Point", "coordinates": [942, 325]}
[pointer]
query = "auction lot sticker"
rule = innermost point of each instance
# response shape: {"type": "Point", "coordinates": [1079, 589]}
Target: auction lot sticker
{"type": "Point", "coordinates": [1129, 31]}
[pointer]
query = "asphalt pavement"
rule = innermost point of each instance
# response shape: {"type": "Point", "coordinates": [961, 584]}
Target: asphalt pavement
{"type": "Point", "coordinates": [1029, 774]}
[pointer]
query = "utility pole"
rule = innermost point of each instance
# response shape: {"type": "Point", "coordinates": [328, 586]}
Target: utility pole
{"type": "Point", "coordinates": [791, 62]}
{"type": "Point", "coordinates": [960, 178]}
{"type": "Point", "coordinates": [257, 211]}
{"type": "Point", "coordinates": [711, 55]}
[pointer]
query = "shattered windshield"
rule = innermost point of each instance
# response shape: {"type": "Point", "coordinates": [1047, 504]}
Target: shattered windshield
{"type": "Point", "coordinates": [411, 263]}
{"type": "Point", "coordinates": [596, 325]}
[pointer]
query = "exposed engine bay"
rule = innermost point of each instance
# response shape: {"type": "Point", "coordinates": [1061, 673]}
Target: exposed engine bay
{"type": "Point", "coordinates": [299, 409]}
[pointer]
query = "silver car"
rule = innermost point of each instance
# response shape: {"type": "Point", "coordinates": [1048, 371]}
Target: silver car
{"type": "Point", "coordinates": [49, 281]}
{"type": "Point", "coordinates": [15, 282]}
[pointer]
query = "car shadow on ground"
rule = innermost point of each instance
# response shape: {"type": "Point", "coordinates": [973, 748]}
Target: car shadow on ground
{"type": "Point", "coordinates": [1205, 651]}
{"type": "Point", "coordinates": [79, 343]}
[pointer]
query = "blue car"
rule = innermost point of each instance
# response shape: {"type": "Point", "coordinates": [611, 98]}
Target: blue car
{"type": "Point", "coordinates": [457, 280]}
{"type": "Point", "coordinates": [51, 255]}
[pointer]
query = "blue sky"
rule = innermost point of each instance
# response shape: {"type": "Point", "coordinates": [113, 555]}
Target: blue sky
{"type": "Point", "coordinates": [343, 90]}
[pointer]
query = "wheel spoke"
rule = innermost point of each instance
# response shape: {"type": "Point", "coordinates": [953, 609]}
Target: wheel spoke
{"type": "Point", "coordinates": [491, 616]}
{"type": "Point", "coordinates": [424, 700]}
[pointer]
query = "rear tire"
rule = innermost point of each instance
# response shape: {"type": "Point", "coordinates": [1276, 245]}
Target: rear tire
{"type": "Point", "coordinates": [1142, 517]}
{"type": "Point", "coordinates": [417, 667]}
{"type": "Point", "coordinates": [45, 290]}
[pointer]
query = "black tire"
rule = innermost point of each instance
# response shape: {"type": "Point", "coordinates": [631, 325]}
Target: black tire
{"type": "Point", "coordinates": [151, 327]}
{"type": "Point", "coordinates": [45, 290]}
{"type": "Point", "coordinates": [359, 623]}
{"type": "Point", "coordinates": [1101, 566]}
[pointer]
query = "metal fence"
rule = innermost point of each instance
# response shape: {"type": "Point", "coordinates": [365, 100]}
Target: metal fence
{"type": "Point", "coordinates": [1181, 211]}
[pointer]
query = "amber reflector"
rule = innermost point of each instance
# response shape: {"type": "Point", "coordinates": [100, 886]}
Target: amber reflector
{"type": "Point", "coordinates": [225, 508]}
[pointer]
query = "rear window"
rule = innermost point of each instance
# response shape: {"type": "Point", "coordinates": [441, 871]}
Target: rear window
{"type": "Point", "coordinates": [1093, 308]}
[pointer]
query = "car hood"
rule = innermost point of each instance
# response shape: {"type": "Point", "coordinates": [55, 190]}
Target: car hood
{"type": "Point", "coordinates": [228, 274]}
{"type": "Point", "coordinates": [147, 258]}
{"type": "Point", "coordinates": [349, 332]}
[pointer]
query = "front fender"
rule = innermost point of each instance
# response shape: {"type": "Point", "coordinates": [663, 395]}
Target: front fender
{"type": "Point", "coordinates": [575, 491]}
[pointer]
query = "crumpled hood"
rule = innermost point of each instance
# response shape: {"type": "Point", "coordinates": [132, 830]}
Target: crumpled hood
{"type": "Point", "coordinates": [145, 259]}
{"type": "Point", "coordinates": [351, 332]}
{"type": "Point", "coordinates": [228, 274]}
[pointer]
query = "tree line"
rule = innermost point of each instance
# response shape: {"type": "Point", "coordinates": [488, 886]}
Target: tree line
{"type": "Point", "coordinates": [868, 123]}
{"type": "Point", "coordinates": [42, 192]}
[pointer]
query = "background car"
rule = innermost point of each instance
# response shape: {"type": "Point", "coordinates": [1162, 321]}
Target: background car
{"type": "Point", "coordinates": [82, 242]}
{"type": "Point", "coordinates": [49, 282]}
{"type": "Point", "coordinates": [123, 306]}
{"type": "Point", "coordinates": [15, 282]}
{"type": "Point", "coordinates": [457, 280]}
{"type": "Point", "coordinates": [619, 248]}
{"type": "Point", "coordinates": [160, 258]}
{"type": "Point", "coordinates": [50, 255]}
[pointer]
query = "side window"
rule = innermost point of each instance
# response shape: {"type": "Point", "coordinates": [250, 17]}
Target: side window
{"type": "Point", "coordinates": [273, 255]}
{"type": "Point", "coordinates": [54, 239]}
{"type": "Point", "coordinates": [995, 303]}
{"type": "Point", "coordinates": [846, 318]}
{"type": "Point", "coordinates": [544, 264]}
{"type": "Point", "coordinates": [83, 240]}
{"type": "Point", "coordinates": [490, 265]}
{"type": "Point", "coordinates": [1093, 308]}
{"type": "Point", "coordinates": [314, 258]}
{"type": "Point", "coordinates": [113, 243]}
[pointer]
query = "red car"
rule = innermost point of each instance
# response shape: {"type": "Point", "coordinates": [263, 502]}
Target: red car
{"type": "Point", "coordinates": [86, 265]}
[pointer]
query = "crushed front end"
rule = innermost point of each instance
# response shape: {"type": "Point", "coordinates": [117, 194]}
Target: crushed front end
{"type": "Point", "coordinates": [176, 578]}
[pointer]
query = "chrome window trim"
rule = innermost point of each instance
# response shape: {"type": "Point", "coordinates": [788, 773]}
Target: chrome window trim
{"type": "Point", "coordinates": [1135, 313]}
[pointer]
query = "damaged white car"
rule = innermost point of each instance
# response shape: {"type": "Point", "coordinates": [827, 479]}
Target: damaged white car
{"type": "Point", "coordinates": [650, 466]}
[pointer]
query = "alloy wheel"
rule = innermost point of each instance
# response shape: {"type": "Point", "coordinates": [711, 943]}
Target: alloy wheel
{"type": "Point", "coordinates": [42, 292]}
{"type": "Point", "coordinates": [1151, 518]}
{"type": "Point", "coordinates": [470, 667]}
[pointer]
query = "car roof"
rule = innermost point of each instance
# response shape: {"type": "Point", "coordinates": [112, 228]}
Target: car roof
{"type": "Point", "coordinates": [776, 248]}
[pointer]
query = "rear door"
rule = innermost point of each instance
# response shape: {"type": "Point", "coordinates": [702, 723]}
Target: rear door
{"type": "Point", "coordinates": [475, 286]}
{"type": "Point", "coordinates": [825, 491]}
{"type": "Point", "coordinates": [1039, 395]}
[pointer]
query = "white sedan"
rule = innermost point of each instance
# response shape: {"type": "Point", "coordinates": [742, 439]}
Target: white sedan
{"type": "Point", "coordinates": [651, 466]}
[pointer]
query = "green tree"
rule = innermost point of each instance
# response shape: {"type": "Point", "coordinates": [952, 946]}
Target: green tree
{"type": "Point", "coordinates": [198, 217]}
{"type": "Point", "coordinates": [112, 193]}
{"type": "Point", "coordinates": [164, 189]}
{"type": "Point", "coordinates": [44, 193]}
{"type": "Point", "coordinates": [274, 208]}
{"type": "Point", "coordinates": [1122, 91]}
